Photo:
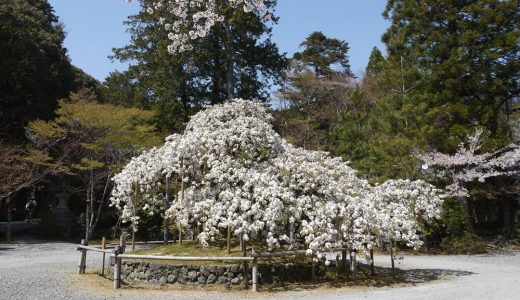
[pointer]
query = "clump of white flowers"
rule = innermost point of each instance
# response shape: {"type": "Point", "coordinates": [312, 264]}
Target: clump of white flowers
{"type": "Point", "coordinates": [193, 19]}
{"type": "Point", "coordinates": [230, 168]}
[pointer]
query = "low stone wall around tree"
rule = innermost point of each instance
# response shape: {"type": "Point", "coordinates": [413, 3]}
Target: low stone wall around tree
{"type": "Point", "coordinates": [160, 274]}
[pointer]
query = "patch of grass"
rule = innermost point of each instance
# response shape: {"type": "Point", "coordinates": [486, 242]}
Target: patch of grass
{"type": "Point", "coordinates": [194, 248]}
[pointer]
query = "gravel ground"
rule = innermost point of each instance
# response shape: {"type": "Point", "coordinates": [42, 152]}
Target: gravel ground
{"type": "Point", "coordinates": [46, 270]}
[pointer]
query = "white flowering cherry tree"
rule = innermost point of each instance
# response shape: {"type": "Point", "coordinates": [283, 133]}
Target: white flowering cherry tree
{"type": "Point", "coordinates": [469, 165]}
{"type": "Point", "coordinates": [236, 172]}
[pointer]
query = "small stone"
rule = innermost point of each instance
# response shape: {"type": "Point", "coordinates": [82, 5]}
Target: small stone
{"type": "Point", "coordinates": [211, 279]}
{"type": "Point", "coordinates": [162, 280]}
{"type": "Point", "coordinates": [192, 275]}
{"type": "Point", "coordinates": [221, 271]}
{"type": "Point", "coordinates": [154, 281]}
{"type": "Point", "coordinates": [235, 280]}
{"type": "Point", "coordinates": [181, 279]}
{"type": "Point", "coordinates": [222, 279]}
{"type": "Point", "coordinates": [142, 275]}
{"type": "Point", "coordinates": [234, 269]}
{"type": "Point", "coordinates": [172, 278]}
{"type": "Point", "coordinates": [201, 279]}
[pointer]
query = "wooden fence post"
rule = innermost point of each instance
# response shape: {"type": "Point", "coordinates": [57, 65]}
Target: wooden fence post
{"type": "Point", "coordinates": [117, 268]}
{"type": "Point", "coordinates": [255, 271]}
{"type": "Point", "coordinates": [103, 246]}
{"type": "Point", "coordinates": [122, 241]}
{"type": "Point", "coordinates": [82, 258]}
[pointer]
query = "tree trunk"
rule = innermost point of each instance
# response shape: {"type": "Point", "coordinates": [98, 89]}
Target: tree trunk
{"type": "Point", "coordinates": [8, 231]}
{"type": "Point", "coordinates": [507, 216]}
{"type": "Point", "coordinates": [166, 203]}
{"type": "Point", "coordinates": [230, 77]}
{"type": "Point", "coordinates": [468, 213]}
{"type": "Point", "coordinates": [87, 218]}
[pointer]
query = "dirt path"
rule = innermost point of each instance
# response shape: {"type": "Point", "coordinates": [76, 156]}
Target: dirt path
{"type": "Point", "coordinates": [41, 270]}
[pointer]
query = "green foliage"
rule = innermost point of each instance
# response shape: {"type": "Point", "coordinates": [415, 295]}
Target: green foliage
{"type": "Point", "coordinates": [445, 74]}
{"type": "Point", "coordinates": [453, 217]}
{"type": "Point", "coordinates": [176, 86]}
{"type": "Point", "coordinates": [376, 63]}
{"type": "Point", "coordinates": [322, 54]}
{"type": "Point", "coordinates": [34, 68]}
{"type": "Point", "coordinates": [515, 236]}
{"type": "Point", "coordinates": [315, 91]}
{"type": "Point", "coordinates": [103, 135]}
{"type": "Point", "coordinates": [466, 243]}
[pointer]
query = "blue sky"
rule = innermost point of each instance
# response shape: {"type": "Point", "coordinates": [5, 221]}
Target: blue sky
{"type": "Point", "coordinates": [94, 27]}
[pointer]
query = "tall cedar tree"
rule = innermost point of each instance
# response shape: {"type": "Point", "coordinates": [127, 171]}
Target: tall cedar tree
{"type": "Point", "coordinates": [451, 66]}
{"type": "Point", "coordinates": [177, 85]}
{"type": "Point", "coordinates": [314, 93]}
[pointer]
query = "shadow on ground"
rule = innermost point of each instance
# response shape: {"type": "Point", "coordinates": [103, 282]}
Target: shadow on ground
{"type": "Point", "coordinates": [383, 277]}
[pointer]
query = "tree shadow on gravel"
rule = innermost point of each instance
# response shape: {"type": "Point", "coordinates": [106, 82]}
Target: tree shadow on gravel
{"type": "Point", "coordinates": [384, 277]}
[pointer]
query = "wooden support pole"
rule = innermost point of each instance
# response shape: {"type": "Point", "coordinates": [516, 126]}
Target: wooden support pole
{"type": "Point", "coordinates": [392, 257]}
{"type": "Point", "coordinates": [255, 275]}
{"type": "Point", "coordinates": [372, 271]}
{"type": "Point", "coordinates": [9, 217]}
{"type": "Point", "coordinates": [133, 240]}
{"type": "Point", "coordinates": [82, 258]}
{"type": "Point", "coordinates": [103, 246]}
{"type": "Point", "coordinates": [117, 268]}
{"type": "Point", "coordinates": [229, 239]}
{"type": "Point", "coordinates": [338, 267]}
{"type": "Point", "coordinates": [180, 234]}
{"type": "Point", "coordinates": [353, 264]}
{"type": "Point", "coordinates": [245, 280]}
{"type": "Point", "coordinates": [313, 270]}
{"type": "Point", "coordinates": [344, 262]}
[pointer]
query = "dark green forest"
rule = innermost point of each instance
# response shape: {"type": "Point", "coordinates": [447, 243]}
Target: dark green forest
{"type": "Point", "coordinates": [449, 67]}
